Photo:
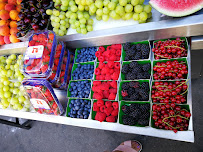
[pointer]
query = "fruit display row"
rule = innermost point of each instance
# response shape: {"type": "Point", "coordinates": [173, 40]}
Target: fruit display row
{"type": "Point", "coordinates": [78, 14]}
{"type": "Point", "coordinates": [134, 93]}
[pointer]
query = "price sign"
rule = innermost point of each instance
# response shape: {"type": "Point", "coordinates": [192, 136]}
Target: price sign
{"type": "Point", "coordinates": [39, 103]}
{"type": "Point", "coordinates": [34, 52]}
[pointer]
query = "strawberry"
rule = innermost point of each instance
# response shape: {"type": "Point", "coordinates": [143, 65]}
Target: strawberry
{"type": "Point", "coordinates": [59, 47]}
{"type": "Point", "coordinates": [41, 37]}
{"type": "Point", "coordinates": [31, 43]}
{"type": "Point", "coordinates": [56, 61]}
{"type": "Point", "coordinates": [46, 52]}
{"type": "Point", "coordinates": [35, 38]}
{"type": "Point", "coordinates": [46, 58]}
{"type": "Point", "coordinates": [49, 46]}
{"type": "Point", "coordinates": [51, 36]}
{"type": "Point", "coordinates": [54, 67]}
{"type": "Point", "coordinates": [62, 74]}
{"type": "Point", "coordinates": [44, 68]}
{"type": "Point", "coordinates": [52, 76]}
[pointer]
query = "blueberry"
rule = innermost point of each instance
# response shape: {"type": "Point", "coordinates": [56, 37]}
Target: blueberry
{"type": "Point", "coordinates": [78, 116]}
{"type": "Point", "coordinates": [74, 112]}
{"type": "Point", "coordinates": [69, 114]}
{"type": "Point", "coordinates": [70, 105]}
{"type": "Point", "coordinates": [77, 107]}
{"type": "Point", "coordinates": [85, 116]}
{"type": "Point", "coordinates": [88, 106]}
{"type": "Point", "coordinates": [85, 113]}
{"type": "Point", "coordinates": [78, 104]}
{"type": "Point", "coordinates": [85, 109]}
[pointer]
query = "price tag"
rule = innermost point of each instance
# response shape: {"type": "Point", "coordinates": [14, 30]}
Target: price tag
{"type": "Point", "coordinates": [34, 52]}
{"type": "Point", "coordinates": [39, 103]}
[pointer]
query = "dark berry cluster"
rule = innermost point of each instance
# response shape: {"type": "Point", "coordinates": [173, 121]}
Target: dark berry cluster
{"type": "Point", "coordinates": [80, 89]}
{"type": "Point", "coordinates": [79, 108]}
{"type": "Point", "coordinates": [134, 71]}
{"type": "Point", "coordinates": [133, 91]}
{"type": "Point", "coordinates": [83, 72]}
{"type": "Point", "coordinates": [136, 51]}
{"type": "Point", "coordinates": [136, 114]}
{"type": "Point", "coordinates": [86, 54]}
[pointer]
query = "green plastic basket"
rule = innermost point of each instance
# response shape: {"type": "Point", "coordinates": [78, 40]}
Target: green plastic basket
{"type": "Point", "coordinates": [182, 38]}
{"type": "Point", "coordinates": [94, 112]}
{"type": "Point", "coordinates": [68, 108]}
{"type": "Point", "coordinates": [121, 113]}
{"type": "Point", "coordinates": [120, 97]}
{"type": "Point", "coordinates": [185, 106]}
{"type": "Point", "coordinates": [142, 42]}
{"type": "Point", "coordinates": [178, 59]}
{"type": "Point", "coordinates": [139, 62]}
{"type": "Point", "coordinates": [187, 83]}
{"type": "Point", "coordinates": [75, 65]}
{"type": "Point", "coordinates": [69, 94]}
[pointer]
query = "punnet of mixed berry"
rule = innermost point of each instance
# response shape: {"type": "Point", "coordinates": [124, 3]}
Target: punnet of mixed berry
{"type": "Point", "coordinates": [39, 56]}
{"type": "Point", "coordinates": [42, 96]}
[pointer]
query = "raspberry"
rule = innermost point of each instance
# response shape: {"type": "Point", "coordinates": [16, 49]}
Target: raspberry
{"type": "Point", "coordinates": [100, 103]}
{"type": "Point", "coordinates": [108, 110]}
{"type": "Point", "coordinates": [118, 58]}
{"type": "Point", "coordinates": [101, 48]}
{"type": "Point", "coordinates": [95, 107]}
{"type": "Point", "coordinates": [118, 53]}
{"type": "Point", "coordinates": [106, 94]}
{"type": "Point", "coordinates": [110, 119]}
{"type": "Point", "coordinates": [101, 65]}
{"type": "Point", "coordinates": [98, 54]}
{"type": "Point", "coordinates": [102, 86]}
{"type": "Point", "coordinates": [97, 71]}
{"type": "Point", "coordinates": [98, 96]}
{"type": "Point", "coordinates": [100, 116]}
{"type": "Point", "coordinates": [113, 84]}
{"type": "Point", "coordinates": [107, 54]}
{"type": "Point", "coordinates": [110, 64]}
{"type": "Point", "coordinates": [113, 90]}
{"type": "Point", "coordinates": [111, 71]}
{"type": "Point", "coordinates": [117, 70]}
{"type": "Point", "coordinates": [105, 70]}
{"type": "Point", "coordinates": [112, 57]}
{"type": "Point", "coordinates": [101, 59]}
{"type": "Point", "coordinates": [107, 85]}
{"type": "Point", "coordinates": [112, 96]}
{"type": "Point", "coordinates": [95, 83]}
{"type": "Point", "coordinates": [102, 77]}
{"type": "Point", "coordinates": [114, 112]}
{"type": "Point", "coordinates": [115, 76]}
{"type": "Point", "coordinates": [108, 48]}
{"type": "Point", "coordinates": [102, 108]}
{"type": "Point", "coordinates": [115, 105]}
{"type": "Point", "coordinates": [108, 77]}
{"type": "Point", "coordinates": [108, 104]}
{"type": "Point", "coordinates": [117, 65]}
{"type": "Point", "coordinates": [113, 51]}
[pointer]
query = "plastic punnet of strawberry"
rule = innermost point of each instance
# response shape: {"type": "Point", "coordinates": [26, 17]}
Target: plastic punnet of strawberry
{"type": "Point", "coordinates": [38, 58]}
{"type": "Point", "coordinates": [42, 98]}
{"type": "Point", "coordinates": [58, 62]}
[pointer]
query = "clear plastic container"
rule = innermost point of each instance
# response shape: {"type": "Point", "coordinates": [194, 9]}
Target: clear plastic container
{"type": "Point", "coordinates": [42, 96]}
{"type": "Point", "coordinates": [58, 59]}
{"type": "Point", "coordinates": [39, 57]}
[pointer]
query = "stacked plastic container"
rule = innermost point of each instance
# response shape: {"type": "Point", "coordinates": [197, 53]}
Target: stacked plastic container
{"type": "Point", "coordinates": [45, 63]}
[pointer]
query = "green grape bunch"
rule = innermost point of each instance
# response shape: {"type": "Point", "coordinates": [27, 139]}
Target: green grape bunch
{"type": "Point", "coordinates": [77, 13]}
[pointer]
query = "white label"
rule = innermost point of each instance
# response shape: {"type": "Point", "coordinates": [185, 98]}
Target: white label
{"type": "Point", "coordinates": [39, 103]}
{"type": "Point", "coordinates": [34, 52]}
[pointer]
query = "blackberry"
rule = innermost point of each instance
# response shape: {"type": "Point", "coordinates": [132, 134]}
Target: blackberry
{"type": "Point", "coordinates": [137, 69]}
{"type": "Point", "coordinates": [146, 67]}
{"type": "Point", "coordinates": [130, 76]}
{"type": "Point", "coordinates": [126, 46]}
{"type": "Point", "coordinates": [145, 56]}
{"type": "Point", "coordinates": [145, 86]}
{"type": "Point", "coordinates": [134, 84]}
{"type": "Point", "coordinates": [144, 95]}
{"type": "Point", "coordinates": [137, 55]}
{"type": "Point", "coordinates": [127, 58]}
{"type": "Point", "coordinates": [145, 49]}
{"type": "Point", "coordinates": [125, 69]}
{"type": "Point", "coordinates": [138, 47]}
{"type": "Point", "coordinates": [131, 121]}
{"type": "Point", "coordinates": [133, 64]}
{"type": "Point", "coordinates": [134, 97]}
{"type": "Point", "coordinates": [132, 52]}
{"type": "Point", "coordinates": [145, 107]}
{"type": "Point", "coordinates": [125, 86]}
{"type": "Point", "coordinates": [125, 109]}
{"type": "Point", "coordinates": [133, 47]}
{"type": "Point", "coordinates": [135, 114]}
{"type": "Point", "coordinates": [126, 98]}
{"type": "Point", "coordinates": [140, 75]}
{"type": "Point", "coordinates": [143, 122]}
{"type": "Point", "coordinates": [146, 75]}
{"type": "Point", "coordinates": [134, 106]}
{"type": "Point", "coordinates": [125, 119]}
{"type": "Point", "coordinates": [131, 91]}
{"type": "Point", "coordinates": [145, 115]}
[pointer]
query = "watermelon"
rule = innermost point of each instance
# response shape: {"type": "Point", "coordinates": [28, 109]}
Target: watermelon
{"type": "Point", "coordinates": [177, 8]}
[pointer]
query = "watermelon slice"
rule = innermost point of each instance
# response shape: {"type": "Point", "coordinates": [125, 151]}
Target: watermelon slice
{"type": "Point", "coordinates": [177, 8]}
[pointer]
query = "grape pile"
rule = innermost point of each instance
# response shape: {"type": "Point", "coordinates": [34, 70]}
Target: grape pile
{"type": "Point", "coordinates": [33, 16]}
{"type": "Point", "coordinates": [77, 13]}
{"type": "Point", "coordinates": [11, 94]}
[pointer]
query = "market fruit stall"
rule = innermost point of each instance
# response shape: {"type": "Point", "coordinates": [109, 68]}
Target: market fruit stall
{"type": "Point", "coordinates": [142, 87]}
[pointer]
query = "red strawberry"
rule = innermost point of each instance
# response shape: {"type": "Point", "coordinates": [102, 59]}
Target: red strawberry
{"type": "Point", "coordinates": [52, 76]}
{"type": "Point", "coordinates": [56, 61]}
{"type": "Point", "coordinates": [62, 74]}
{"type": "Point", "coordinates": [31, 43]}
{"type": "Point", "coordinates": [54, 67]}
{"type": "Point", "coordinates": [46, 58]}
{"type": "Point", "coordinates": [49, 46]}
{"type": "Point", "coordinates": [51, 36]}
{"type": "Point", "coordinates": [57, 55]}
{"type": "Point", "coordinates": [42, 37]}
{"type": "Point", "coordinates": [59, 47]}
{"type": "Point", "coordinates": [44, 68]}
{"type": "Point", "coordinates": [35, 38]}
